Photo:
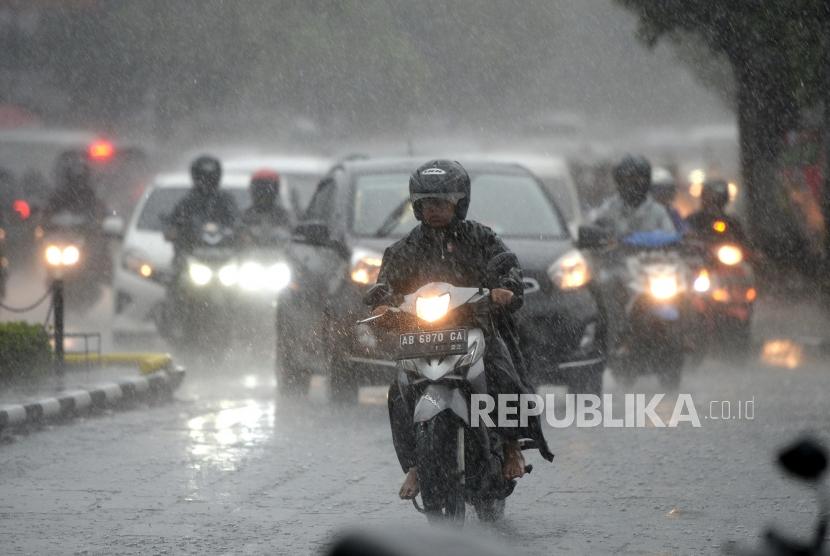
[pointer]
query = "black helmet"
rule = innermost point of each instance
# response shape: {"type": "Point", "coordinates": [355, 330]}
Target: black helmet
{"type": "Point", "coordinates": [440, 179]}
{"type": "Point", "coordinates": [633, 177]}
{"type": "Point", "coordinates": [715, 194]}
{"type": "Point", "coordinates": [206, 172]}
{"type": "Point", "coordinates": [72, 167]}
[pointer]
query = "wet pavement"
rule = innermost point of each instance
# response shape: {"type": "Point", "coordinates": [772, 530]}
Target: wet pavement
{"type": "Point", "coordinates": [231, 467]}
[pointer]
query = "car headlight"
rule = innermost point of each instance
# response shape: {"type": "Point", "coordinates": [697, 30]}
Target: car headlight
{"type": "Point", "coordinates": [663, 286]}
{"type": "Point", "coordinates": [570, 271]}
{"type": "Point", "coordinates": [365, 266]}
{"type": "Point", "coordinates": [252, 276]}
{"type": "Point", "coordinates": [135, 262]}
{"type": "Point", "coordinates": [68, 255]}
{"type": "Point", "coordinates": [278, 276]}
{"type": "Point", "coordinates": [228, 274]}
{"type": "Point", "coordinates": [730, 255]}
{"type": "Point", "coordinates": [432, 309]}
{"type": "Point", "coordinates": [200, 274]}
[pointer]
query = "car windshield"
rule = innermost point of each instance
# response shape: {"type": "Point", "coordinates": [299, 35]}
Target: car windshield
{"type": "Point", "coordinates": [163, 199]}
{"type": "Point", "coordinates": [512, 205]}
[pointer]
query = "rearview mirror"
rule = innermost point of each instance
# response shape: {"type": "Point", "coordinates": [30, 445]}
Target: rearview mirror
{"type": "Point", "coordinates": [113, 226]}
{"type": "Point", "coordinates": [313, 232]}
{"type": "Point", "coordinates": [805, 459]}
{"type": "Point", "coordinates": [593, 237]}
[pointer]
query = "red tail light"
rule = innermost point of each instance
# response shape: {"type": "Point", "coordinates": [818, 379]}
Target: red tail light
{"type": "Point", "coordinates": [22, 208]}
{"type": "Point", "coordinates": [101, 150]}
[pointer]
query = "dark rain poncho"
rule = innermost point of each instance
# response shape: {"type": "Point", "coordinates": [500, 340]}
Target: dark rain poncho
{"type": "Point", "coordinates": [459, 255]}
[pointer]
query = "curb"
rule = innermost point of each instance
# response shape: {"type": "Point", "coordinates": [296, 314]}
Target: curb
{"type": "Point", "coordinates": [67, 403]}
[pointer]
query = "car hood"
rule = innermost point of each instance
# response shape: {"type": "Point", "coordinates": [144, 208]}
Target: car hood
{"type": "Point", "coordinates": [533, 254]}
{"type": "Point", "coordinates": [150, 245]}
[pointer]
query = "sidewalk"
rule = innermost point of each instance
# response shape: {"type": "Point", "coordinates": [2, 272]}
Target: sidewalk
{"type": "Point", "coordinates": [82, 389]}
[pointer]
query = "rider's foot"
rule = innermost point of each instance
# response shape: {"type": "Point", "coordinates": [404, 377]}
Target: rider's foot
{"type": "Point", "coordinates": [409, 488]}
{"type": "Point", "coordinates": [514, 461]}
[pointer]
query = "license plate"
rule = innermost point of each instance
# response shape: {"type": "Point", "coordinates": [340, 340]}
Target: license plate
{"type": "Point", "coordinates": [433, 344]}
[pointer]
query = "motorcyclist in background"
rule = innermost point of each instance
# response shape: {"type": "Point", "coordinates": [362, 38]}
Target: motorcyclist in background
{"type": "Point", "coordinates": [633, 209]}
{"type": "Point", "coordinates": [203, 203]}
{"type": "Point", "coordinates": [664, 191]}
{"type": "Point", "coordinates": [446, 247]}
{"type": "Point", "coordinates": [74, 192]}
{"type": "Point", "coordinates": [266, 214]}
{"type": "Point", "coordinates": [713, 200]}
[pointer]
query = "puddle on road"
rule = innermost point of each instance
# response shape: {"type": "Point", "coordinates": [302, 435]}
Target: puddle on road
{"type": "Point", "coordinates": [784, 353]}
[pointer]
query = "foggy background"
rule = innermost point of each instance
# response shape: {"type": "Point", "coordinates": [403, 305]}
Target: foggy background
{"type": "Point", "coordinates": [307, 71]}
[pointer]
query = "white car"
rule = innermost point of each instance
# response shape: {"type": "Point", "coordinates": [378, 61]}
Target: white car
{"type": "Point", "coordinates": [145, 256]}
{"type": "Point", "coordinates": [299, 175]}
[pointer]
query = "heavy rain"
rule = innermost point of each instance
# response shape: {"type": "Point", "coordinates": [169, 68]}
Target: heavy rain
{"type": "Point", "coordinates": [401, 277]}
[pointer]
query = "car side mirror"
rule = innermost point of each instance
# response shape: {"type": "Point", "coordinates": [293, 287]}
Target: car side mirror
{"type": "Point", "coordinates": [806, 459]}
{"type": "Point", "coordinates": [593, 237]}
{"type": "Point", "coordinates": [113, 226]}
{"type": "Point", "coordinates": [313, 232]}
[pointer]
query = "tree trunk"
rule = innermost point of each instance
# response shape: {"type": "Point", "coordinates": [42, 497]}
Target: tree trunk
{"type": "Point", "coordinates": [762, 121]}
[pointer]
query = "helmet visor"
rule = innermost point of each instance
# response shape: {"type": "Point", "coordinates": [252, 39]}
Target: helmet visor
{"type": "Point", "coordinates": [453, 197]}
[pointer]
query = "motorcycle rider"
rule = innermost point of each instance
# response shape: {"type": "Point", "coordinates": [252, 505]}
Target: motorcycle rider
{"type": "Point", "coordinates": [664, 191]}
{"type": "Point", "coordinates": [266, 212]}
{"type": "Point", "coordinates": [203, 203]}
{"type": "Point", "coordinates": [713, 200]}
{"type": "Point", "coordinates": [633, 209]}
{"type": "Point", "coordinates": [447, 247]}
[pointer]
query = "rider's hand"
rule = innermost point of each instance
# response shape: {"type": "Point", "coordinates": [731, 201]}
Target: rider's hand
{"type": "Point", "coordinates": [501, 296]}
{"type": "Point", "coordinates": [380, 310]}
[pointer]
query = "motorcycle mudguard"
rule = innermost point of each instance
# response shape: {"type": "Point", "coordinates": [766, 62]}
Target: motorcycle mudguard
{"type": "Point", "coordinates": [437, 398]}
{"type": "Point", "coordinates": [666, 312]}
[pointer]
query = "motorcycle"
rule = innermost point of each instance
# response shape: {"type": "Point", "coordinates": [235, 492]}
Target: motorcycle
{"type": "Point", "coordinates": [75, 252]}
{"type": "Point", "coordinates": [727, 291]}
{"type": "Point", "coordinates": [437, 338]}
{"type": "Point", "coordinates": [198, 306]}
{"type": "Point", "coordinates": [217, 292]}
{"type": "Point", "coordinates": [652, 303]}
{"type": "Point", "coordinates": [805, 460]}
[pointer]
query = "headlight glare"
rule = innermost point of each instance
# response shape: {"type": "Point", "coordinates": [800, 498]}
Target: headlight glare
{"type": "Point", "coordinates": [663, 286]}
{"type": "Point", "coordinates": [730, 255]}
{"type": "Point", "coordinates": [200, 274]}
{"type": "Point", "coordinates": [570, 271]}
{"type": "Point", "coordinates": [229, 274]}
{"type": "Point", "coordinates": [432, 309]}
{"type": "Point", "coordinates": [365, 267]}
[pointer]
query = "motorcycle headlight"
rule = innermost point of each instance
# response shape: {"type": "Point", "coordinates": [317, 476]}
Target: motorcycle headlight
{"type": "Point", "coordinates": [365, 266]}
{"type": "Point", "coordinates": [432, 309]}
{"type": "Point", "coordinates": [54, 255]}
{"type": "Point", "coordinates": [663, 286]}
{"type": "Point", "coordinates": [200, 274]}
{"type": "Point", "coordinates": [702, 282]}
{"type": "Point", "coordinates": [68, 255]}
{"type": "Point", "coordinates": [252, 276]}
{"type": "Point", "coordinates": [228, 274]}
{"type": "Point", "coordinates": [730, 255]}
{"type": "Point", "coordinates": [570, 271]}
{"type": "Point", "coordinates": [278, 276]}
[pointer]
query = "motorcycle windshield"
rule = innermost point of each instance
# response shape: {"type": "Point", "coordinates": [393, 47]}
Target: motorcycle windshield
{"type": "Point", "coordinates": [651, 240]}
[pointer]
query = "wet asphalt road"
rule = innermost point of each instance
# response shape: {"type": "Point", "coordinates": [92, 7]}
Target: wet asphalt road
{"type": "Point", "coordinates": [231, 467]}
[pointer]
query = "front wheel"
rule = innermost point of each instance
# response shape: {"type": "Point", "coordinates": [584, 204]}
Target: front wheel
{"type": "Point", "coordinates": [439, 456]}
